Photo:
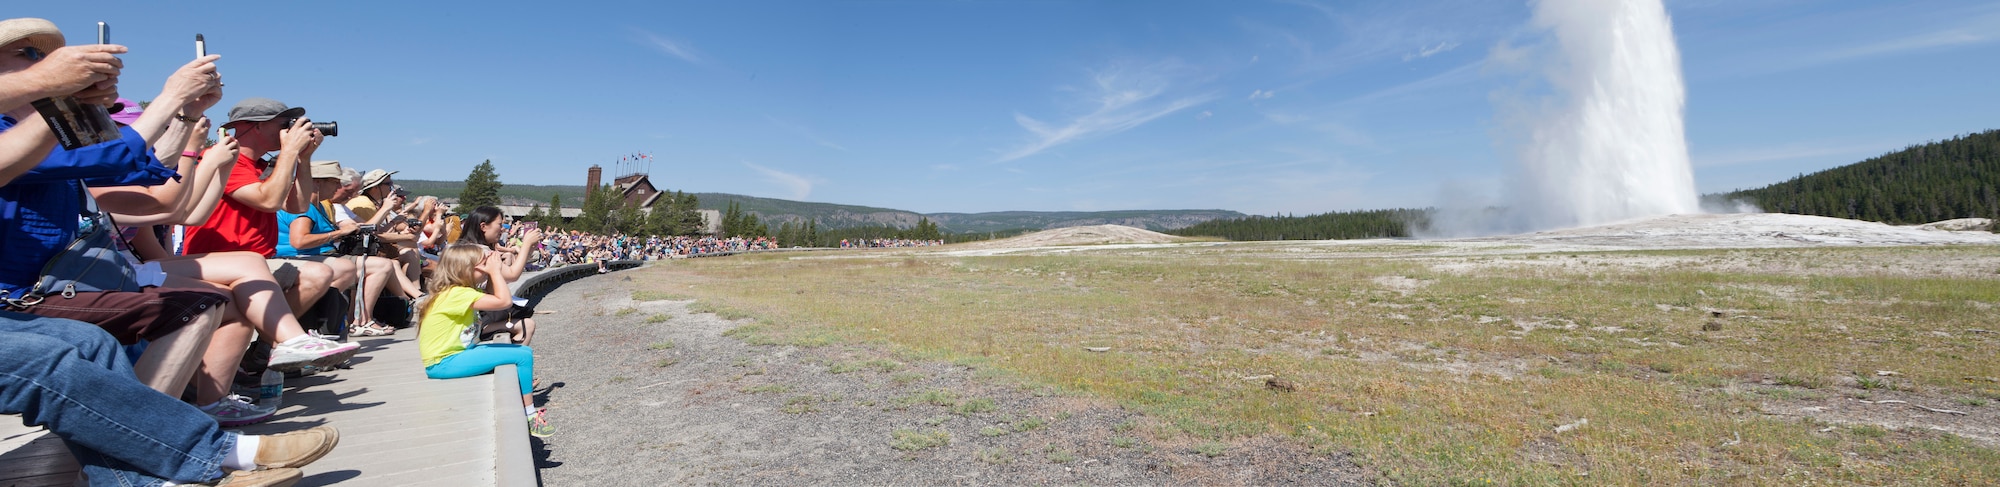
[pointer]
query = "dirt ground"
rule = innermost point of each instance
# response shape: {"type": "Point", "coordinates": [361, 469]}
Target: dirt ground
{"type": "Point", "coordinates": [657, 395]}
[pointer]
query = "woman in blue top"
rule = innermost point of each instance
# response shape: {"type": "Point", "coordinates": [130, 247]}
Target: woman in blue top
{"type": "Point", "coordinates": [312, 235]}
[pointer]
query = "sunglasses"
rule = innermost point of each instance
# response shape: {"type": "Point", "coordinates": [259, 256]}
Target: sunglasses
{"type": "Point", "coordinates": [32, 53]}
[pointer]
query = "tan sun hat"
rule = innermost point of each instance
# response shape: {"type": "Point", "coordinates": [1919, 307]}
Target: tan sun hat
{"type": "Point", "coordinates": [40, 33]}
{"type": "Point", "coordinates": [375, 177]}
{"type": "Point", "coordinates": [328, 169]}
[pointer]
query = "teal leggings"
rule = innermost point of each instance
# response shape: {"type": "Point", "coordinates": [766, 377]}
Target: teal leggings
{"type": "Point", "coordinates": [484, 358]}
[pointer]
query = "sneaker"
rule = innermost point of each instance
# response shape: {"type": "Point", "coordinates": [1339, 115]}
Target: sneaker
{"type": "Point", "coordinates": [538, 425]}
{"type": "Point", "coordinates": [236, 410]}
{"type": "Point", "coordinates": [297, 448]}
{"type": "Point", "coordinates": [311, 350]}
{"type": "Point", "coordinates": [275, 477]}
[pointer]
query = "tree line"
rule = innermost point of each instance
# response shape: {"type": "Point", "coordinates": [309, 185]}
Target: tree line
{"type": "Point", "coordinates": [1324, 226]}
{"type": "Point", "coordinates": [1954, 178]}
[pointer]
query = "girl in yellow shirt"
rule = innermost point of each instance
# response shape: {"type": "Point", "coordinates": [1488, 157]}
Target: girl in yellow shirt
{"type": "Point", "coordinates": [448, 339]}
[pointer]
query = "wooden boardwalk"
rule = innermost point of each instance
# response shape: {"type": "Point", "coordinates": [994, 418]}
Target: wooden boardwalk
{"type": "Point", "coordinates": [397, 427]}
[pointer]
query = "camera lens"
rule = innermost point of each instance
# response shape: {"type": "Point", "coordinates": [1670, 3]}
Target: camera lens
{"type": "Point", "coordinates": [329, 129]}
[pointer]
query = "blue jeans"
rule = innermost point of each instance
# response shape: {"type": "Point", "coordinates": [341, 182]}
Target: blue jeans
{"type": "Point", "coordinates": [73, 378]}
{"type": "Point", "coordinates": [484, 358]}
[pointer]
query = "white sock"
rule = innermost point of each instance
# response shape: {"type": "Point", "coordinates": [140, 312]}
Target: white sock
{"type": "Point", "coordinates": [528, 410]}
{"type": "Point", "coordinates": [297, 339]}
{"type": "Point", "coordinates": [244, 457]}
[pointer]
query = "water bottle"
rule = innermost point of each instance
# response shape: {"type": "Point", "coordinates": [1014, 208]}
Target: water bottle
{"type": "Point", "coordinates": [270, 388]}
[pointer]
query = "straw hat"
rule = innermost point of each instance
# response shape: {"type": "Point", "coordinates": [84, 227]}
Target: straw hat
{"type": "Point", "coordinates": [40, 33]}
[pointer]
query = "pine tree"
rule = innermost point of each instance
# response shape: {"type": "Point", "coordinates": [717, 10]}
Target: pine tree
{"type": "Point", "coordinates": [732, 220]}
{"type": "Point", "coordinates": [555, 219]}
{"type": "Point", "coordinates": [535, 214]}
{"type": "Point", "coordinates": [628, 219]}
{"type": "Point", "coordinates": [688, 210]}
{"type": "Point", "coordinates": [482, 188]}
{"type": "Point", "coordinates": [596, 215]}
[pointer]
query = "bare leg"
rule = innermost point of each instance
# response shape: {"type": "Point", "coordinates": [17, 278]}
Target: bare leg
{"type": "Point", "coordinates": [253, 291]}
{"type": "Point", "coordinates": [527, 330]}
{"type": "Point", "coordinates": [170, 361]}
{"type": "Point", "coordinates": [315, 279]}
{"type": "Point", "coordinates": [218, 366]}
{"type": "Point", "coordinates": [413, 273]}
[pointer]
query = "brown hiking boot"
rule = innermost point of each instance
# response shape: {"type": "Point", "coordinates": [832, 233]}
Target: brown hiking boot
{"type": "Point", "coordinates": [273, 477]}
{"type": "Point", "coordinates": [297, 448]}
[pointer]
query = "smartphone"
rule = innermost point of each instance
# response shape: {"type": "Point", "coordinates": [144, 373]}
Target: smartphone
{"type": "Point", "coordinates": [200, 47]}
{"type": "Point", "coordinates": [103, 33]}
{"type": "Point", "coordinates": [532, 225]}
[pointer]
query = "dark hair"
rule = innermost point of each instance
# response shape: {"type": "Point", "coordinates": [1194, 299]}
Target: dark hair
{"type": "Point", "coordinates": [479, 217]}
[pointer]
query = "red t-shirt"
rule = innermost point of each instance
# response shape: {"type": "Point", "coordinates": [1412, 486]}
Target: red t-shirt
{"type": "Point", "coordinates": [234, 225]}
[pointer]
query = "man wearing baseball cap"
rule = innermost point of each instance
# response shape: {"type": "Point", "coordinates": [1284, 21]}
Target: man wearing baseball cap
{"type": "Point", "coordinates": [247, 217]}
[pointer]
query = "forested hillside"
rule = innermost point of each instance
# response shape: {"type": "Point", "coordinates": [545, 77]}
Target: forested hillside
{"type": "Point", "coordinates": [1955, 178]}
{"type": "Point", "coordinates": [1324, 226]}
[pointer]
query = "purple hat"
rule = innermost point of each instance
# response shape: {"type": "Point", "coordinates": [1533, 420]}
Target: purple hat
{"type": "Point", "coordinates": [126, 111]}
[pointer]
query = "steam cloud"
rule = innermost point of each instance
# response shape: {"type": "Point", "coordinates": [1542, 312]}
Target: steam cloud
{"type": "Point", "coordinates": [1608, 143]}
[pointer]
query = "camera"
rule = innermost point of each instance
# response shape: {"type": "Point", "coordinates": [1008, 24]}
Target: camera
{"type": "Point", "coordinates": [329, 129]}
{"type": "Point", "coordinates": [361, 242]}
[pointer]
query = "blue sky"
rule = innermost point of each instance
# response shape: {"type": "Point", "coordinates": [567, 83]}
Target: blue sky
{"type": "Point", "coordinates": [1257, 106]}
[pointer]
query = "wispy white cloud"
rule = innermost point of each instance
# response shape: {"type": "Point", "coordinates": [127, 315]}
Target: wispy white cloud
{"type": "Point", "coordinates": [669, 46]}
{"type": "Point", "coordinates": [799, 187]}
{"type": "Point", "coordinates": [1940, 30]}
{"type": "Point", "coordinates": [806, 132]}
{"type": "Point", "coordinates": [1262, 95]}
{"type": "Point", "coordinates": [1431, 50]}
{"type": "Point", "coordinates": [420, 140]}
{"type": "Point", "coordinates": [1789, 152]}
{"type": "Point", "coordinates": [1120, 98]}
{"type": "Point", "coordinates": [1204, 115]}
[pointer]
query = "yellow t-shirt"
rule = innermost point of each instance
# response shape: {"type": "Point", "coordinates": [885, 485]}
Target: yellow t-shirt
{"type": "Point", "coordinates": [445, 323]}
{"type": "Point", "coordinates": [362, 207]}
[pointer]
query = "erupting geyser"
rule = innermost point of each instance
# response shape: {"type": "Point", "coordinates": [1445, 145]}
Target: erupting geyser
{"type": "Point", "coordinates": [1610, 144]}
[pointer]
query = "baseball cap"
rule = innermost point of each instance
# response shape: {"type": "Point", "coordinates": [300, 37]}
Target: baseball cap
{"type": "Point", "coordinates": [261, 109]}
{"type": "Point", "coordinates": [40, 33]}
{"type": "Point", "coordinates": [329, 169]}
{"type": "Point", "coordinates": [374, 177]}
{"type": "Point", "coordinates": [126, 111]}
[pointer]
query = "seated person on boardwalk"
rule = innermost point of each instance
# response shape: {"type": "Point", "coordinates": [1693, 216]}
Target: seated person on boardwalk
{"type": "Point", "coordinates": [72, 376]}
{"type": "Point", "coordinates": [311, 236]}
{"type": "Point", "coordinates": [447, 334]}
{"type": "Point", "coordinates": [44, 202]}
{"type": "Point", "coordinates": [484, 226]}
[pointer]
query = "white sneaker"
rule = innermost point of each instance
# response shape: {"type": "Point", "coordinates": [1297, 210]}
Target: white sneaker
{"type": "Point", "coordinates": [312, 350]}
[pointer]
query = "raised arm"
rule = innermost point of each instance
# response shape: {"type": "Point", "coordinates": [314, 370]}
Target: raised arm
{"type": "Point", "coordinates": [284, 190]}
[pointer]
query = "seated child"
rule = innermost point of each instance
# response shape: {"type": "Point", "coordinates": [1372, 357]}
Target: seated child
{"type": "Point", "coordinates": [446, 335]}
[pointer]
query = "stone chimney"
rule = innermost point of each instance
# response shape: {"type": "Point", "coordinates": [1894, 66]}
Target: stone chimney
{"type": "Point", "coordinates": [596, 176]}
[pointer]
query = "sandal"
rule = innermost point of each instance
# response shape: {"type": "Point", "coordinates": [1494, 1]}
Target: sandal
{"type": "Point", "coordinates": [371, 329]}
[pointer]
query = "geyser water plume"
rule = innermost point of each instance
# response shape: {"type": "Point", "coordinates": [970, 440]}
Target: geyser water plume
{"type": "Point", "coordinates": [1608, 143]}
{"type": "Point", "coordinates": [1612, 146]}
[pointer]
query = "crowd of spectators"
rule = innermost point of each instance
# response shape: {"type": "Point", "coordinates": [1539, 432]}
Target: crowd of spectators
{"type": "Point", "coordinates": [152, 265]}
{"type": "Point", "coordinates": [576, 247]}
{"type": "Point", "coordinates": [233, 252]}
{"type": "Point", "coordinates": [871, 243]}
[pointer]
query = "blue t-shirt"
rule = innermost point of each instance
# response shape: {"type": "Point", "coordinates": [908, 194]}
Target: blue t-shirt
{"type": "Point", "coordinates": [38, 210]}
{"type": "Point", "coordinates": [320, 224]}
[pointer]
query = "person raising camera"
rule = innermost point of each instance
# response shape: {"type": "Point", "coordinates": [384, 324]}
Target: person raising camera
{"type": "Point", "coordinates": [312, 236]}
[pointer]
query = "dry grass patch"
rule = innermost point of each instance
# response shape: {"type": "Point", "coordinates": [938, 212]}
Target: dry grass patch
{"type": "Point", "coordinates": [1438, 376]}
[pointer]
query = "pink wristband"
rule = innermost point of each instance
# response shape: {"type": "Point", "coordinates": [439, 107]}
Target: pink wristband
{"type": "Point", "coordinates": [190, 154]}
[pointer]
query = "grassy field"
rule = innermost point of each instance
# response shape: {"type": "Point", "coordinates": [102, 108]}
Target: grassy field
{"type": "Point", "coordinates": [1448, 369]}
